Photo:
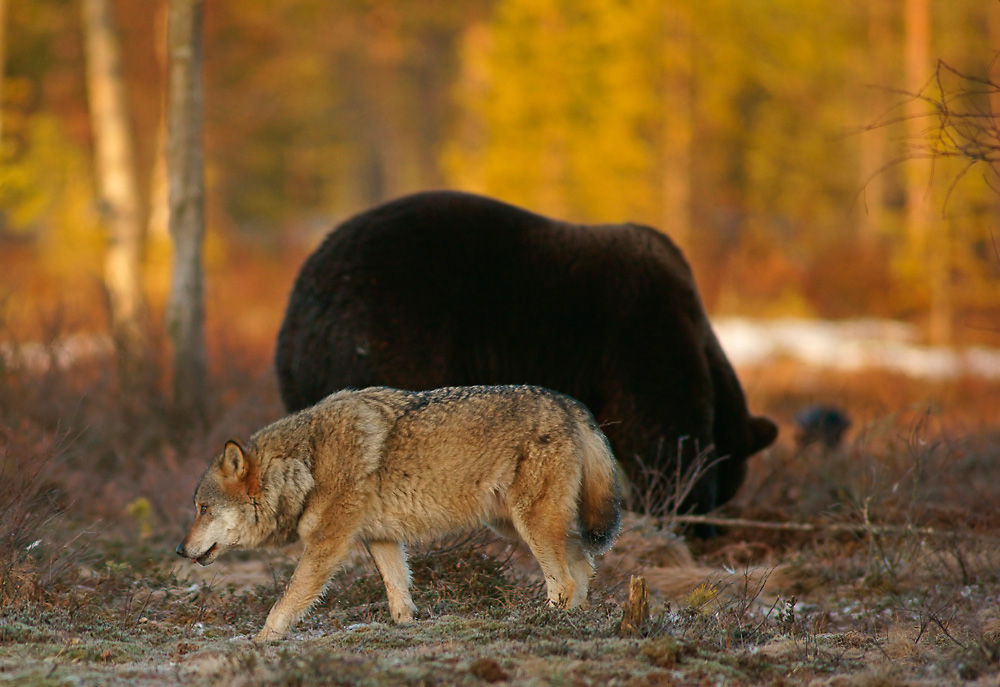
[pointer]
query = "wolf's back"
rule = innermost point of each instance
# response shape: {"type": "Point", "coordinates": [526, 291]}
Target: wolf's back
{"type": "Point", "coordinates": [600, 492]}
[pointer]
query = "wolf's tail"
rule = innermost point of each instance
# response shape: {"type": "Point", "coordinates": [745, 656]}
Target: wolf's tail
{"type": "Point", "coordinates": [600, 492]}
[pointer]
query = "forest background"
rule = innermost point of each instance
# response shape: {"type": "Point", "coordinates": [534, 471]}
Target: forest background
{"type": "Point", "coordinates": [821, 159]}
{"type": "Point", "coordinates": [795, 149]}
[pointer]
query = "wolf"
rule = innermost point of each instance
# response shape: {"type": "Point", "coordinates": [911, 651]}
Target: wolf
{"type": "Point", "coordinates": [391, 467]}
{"type": "Point", "coordinates": [443, 288]}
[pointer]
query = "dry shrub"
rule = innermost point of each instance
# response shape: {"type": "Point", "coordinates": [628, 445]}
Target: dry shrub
{"type": "Point", "coordinates": [117, 438]}
{"type": "Point", "coordinates": [460, 574]}
{"type": "Point", "coordinates": [32, 558]}
{"type": "Point", "coordinates": [660, 493]}
{"type": "Point", "coordinates": [466, 573]}
{"type": "Point", "coordinates": [917, 453]}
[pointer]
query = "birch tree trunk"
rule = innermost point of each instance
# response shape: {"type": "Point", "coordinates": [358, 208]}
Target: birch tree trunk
{"type": "Point", "coordinates": [158, 221]}
{"type": "Point", "coordinates": [116, 175]}
{"type": "Point", "coordinates": [186, 309]}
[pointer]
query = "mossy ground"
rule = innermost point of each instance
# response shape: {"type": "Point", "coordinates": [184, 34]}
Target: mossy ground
{"type": "Point", "coordinates": [95, 488]}
{"type": "Point", "coordinates": [147, 619]}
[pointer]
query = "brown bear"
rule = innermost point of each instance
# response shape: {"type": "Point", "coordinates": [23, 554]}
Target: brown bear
{"type": "Point", "coordinates": [452, 289]}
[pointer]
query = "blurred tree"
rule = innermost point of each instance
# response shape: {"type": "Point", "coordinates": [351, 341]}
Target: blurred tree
{"type": "Point", "coordinates": [874, 143]}
{"type": "Point", "coordinates": [926, 248]}
{"type": "Point", "coordinates": [48, 199]}
{"type": "Point", "coordinates": [186, 309]}
{"type": "Point", "coordinates": [3, 62]}
{"type": "Point", "coordinates": [116, 176]}
{"type": "Point", "coordinates": [147, 47]}
{"type": "Point", "coordinates": [51, 242]}
{"type": "Point", "coordinates": [992, 123]}
{"type": "Point", "coordinates": [595, 110]}
{"type": "Point", "coordinates": [563, 108]}
{"type": "Point", "coordinates": [158, 241]}
{"type": "Point", "coordinates": [351, 106]}
{"type": "Point", "coordinates": [678, 119]}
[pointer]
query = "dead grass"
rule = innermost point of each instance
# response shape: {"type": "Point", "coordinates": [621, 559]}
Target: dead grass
{"type": "Point", "coordinates": [95, 471]}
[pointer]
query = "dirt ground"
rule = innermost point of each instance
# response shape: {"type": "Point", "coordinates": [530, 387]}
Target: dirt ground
{"type": "Point", "coordinates": [871, 564]}
{"type": "Point", "coordinates": [482, 619]}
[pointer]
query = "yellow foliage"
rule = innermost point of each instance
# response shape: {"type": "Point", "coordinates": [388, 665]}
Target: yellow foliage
{"type": "Point", "coordinates": [565, 93]}
{"type": "Point", "coordinates": [48, 192]}
{"type": "Point", "coordinates": [701, 596]}
{"type": "Point", "coordinates": [141, 511]}
{"type": "Point", "coordinates": [735, 126]}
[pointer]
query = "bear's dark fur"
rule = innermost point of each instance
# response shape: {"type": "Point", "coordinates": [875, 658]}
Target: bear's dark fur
{"type": "Point", "coordinates": [446, 289]}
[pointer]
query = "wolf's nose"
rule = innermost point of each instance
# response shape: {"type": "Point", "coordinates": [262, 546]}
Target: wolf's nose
{"type": "Point", "coordinates": [180, 550]}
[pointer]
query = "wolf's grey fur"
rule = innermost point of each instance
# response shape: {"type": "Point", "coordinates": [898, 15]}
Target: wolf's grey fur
{"type": "Point", "coordinates": [391, 467]}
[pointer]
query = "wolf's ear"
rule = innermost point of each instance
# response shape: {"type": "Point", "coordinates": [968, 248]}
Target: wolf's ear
{"type": "Point", "coordinates": [234, 462]}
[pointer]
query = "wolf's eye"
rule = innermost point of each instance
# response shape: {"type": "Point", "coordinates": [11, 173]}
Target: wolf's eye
{"type": "Point", "coordinates": [202, 510]}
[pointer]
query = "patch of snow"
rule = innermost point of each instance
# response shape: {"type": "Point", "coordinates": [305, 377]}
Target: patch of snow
{"type": "Point", "coordinates": [62, 353]}
{"type": "Point", "coordinates": [851, 346]}
{"type": "Point", "coordinates": [846, 345]}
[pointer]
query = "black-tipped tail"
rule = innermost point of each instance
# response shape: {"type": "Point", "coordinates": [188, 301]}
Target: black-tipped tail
{"type": "Point", "coordinates": [600, 492]}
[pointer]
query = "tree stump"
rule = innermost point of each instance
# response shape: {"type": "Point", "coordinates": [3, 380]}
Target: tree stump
{"type": "Point", "coordinates": [636, 608]}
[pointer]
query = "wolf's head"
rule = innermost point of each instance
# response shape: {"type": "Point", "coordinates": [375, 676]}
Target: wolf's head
{"type": "Point", "coordinates": [225, 506]}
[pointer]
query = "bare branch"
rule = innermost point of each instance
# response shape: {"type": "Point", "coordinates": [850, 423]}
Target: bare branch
{"type": "Point", "coordinates": [831, 527]}
{"type": "Point", "coordinates": [959, 126]}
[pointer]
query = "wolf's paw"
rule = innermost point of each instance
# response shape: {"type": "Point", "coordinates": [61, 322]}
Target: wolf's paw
{"type": "Point", "coordinates": [564, 600]}
{"type": "Point", "coordinates": [267, 635]}
{"type": "Point", "coordinates": [404, 614]}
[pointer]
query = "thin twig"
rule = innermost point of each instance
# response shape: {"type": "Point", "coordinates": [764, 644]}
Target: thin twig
{"type": "Point", "coordinates": [829, 527]}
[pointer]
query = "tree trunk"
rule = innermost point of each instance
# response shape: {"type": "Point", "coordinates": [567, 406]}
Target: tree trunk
{"type": "Point", "coordinates": [3, 58]}
{"type": "Point", "coordinates": [993, 27]}
{"type": "Point", "coordinates": [678, 130]}
{"type": "Point", "coordinates": [186, 309]}
{"type": "Point", "coordinates": [158, 221]}
{"type": "Point", "coordinates": [873, 143]}
{"type": "Point", "coordinates": [392, 139]}
{"type": "Point", "coordinates": [929, 250]}
{"type": "Point", "coordinates": [116, 175]}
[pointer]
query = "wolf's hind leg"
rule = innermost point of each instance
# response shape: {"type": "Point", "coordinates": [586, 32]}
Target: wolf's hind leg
{"type": "Point", "coordinates": [546, 537]}
{"type": "Point", "coordinates": [581, 567]}
{"type": "Point", "coordinates": [504, 528]}
{"type": "Point", "coordinates": [308, 581]}
{"type": "Point", "coordinates": [542, 507]}
{"type": "Point", "coordinates": [390, 557]}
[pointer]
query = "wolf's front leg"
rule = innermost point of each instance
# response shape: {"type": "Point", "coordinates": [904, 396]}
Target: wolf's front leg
{"type": "Point", "coordinates": [310, 577]}
{"type": "Point", "coordinates": [390, 557]}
